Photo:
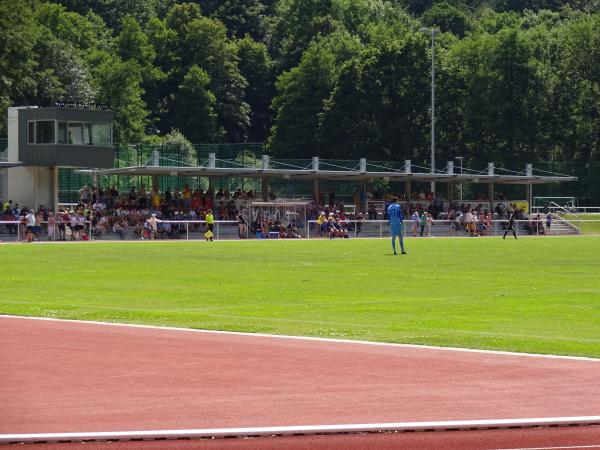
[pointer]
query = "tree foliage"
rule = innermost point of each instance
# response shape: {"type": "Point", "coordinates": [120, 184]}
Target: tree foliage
{"type": "Point", "coordinates": [516, 80]}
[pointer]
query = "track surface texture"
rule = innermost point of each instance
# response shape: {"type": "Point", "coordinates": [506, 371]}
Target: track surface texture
{"type": "Point", "coordinates": [61, 376]}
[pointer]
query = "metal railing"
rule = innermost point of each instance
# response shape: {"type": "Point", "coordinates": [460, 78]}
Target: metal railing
{"type": "Point", "coordinates": [188, 229]}
{"type": "Point", "coordinates": [438, 228]}
{"type": "Point", "coordinates": [229, 229]}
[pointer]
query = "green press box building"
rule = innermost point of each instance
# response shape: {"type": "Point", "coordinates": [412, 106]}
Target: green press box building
{"type": "Point", "coordinates": [46, 139]}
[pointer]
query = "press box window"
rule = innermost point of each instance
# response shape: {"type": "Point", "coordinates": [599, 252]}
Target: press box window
{"type": "Point", "coordinates": [44, 132]}
{"type": "Point", "coordinates": [75, 133]}
{"type": "Point", "coordinates": [97, 134]}
{"type": "Point", "coordinates": [62, 132]}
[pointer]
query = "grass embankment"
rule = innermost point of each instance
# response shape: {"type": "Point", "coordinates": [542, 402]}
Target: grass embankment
{"type": "Point", "coordinates": [531, 295]}
{"type": "Point", "coordinates": [587, 223]}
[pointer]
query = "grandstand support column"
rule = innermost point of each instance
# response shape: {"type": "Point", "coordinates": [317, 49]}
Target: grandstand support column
{"type": "Point", "coordinates": [54, 175]}
{"type": "Point", "coordinates": [155, 183]}
{"type": "Point", "coordinates": [265, 189]}
{"type": "Point", "coordinates": [529, 173]}
{"type": "Point", "coordinates": [450, 185]}
{"type": "Point", "coordinates": [491, 194]}
{"type": "Point", "coordinates": [408, 191]}
{"type": "Point", "coordinates": [211, 187]}
{"type": "Point", "coordinates": [363, 196]}
{"type": "Point", "coordinates": [316, 188]}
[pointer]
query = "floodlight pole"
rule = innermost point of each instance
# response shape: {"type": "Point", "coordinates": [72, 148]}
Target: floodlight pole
{"type": "Point", "coordinates": [432, 32]}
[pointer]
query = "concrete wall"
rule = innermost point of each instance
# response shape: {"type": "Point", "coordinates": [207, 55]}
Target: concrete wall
{"type": "Point", "coordinates": [32, 186]}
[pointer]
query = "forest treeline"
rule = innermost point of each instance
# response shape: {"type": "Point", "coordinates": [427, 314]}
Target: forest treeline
{"type": "Point", "coordinates": [516, 81]}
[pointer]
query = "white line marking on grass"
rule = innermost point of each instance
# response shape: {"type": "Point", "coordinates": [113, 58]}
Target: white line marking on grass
{"type": "Point", "coordinates": [303, 429]}
{"type": "Point", "coordinates": [308, 338]}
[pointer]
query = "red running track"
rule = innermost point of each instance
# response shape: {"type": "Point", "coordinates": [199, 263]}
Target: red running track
{"type": "Point", "coordinates": [60, 376]}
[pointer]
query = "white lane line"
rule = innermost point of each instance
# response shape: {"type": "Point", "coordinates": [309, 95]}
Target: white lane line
{"type": "Point", "coordinates": [301, 429]}
{"type": "Point", "coordinates": [306, 338]}
{"type": "Point", "coordinates": [552, 448]}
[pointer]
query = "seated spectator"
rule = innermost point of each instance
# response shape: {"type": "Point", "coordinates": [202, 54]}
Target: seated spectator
{"type": "Point", "coordinates": [119, 229]}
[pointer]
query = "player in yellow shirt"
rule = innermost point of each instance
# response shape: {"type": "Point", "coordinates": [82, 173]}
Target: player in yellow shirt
{"type": "Point", "coordinates": [210, 221]}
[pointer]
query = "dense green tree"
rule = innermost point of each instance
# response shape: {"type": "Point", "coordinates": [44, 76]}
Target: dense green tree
{"type": "Point", "coordinates": [194, 106]}
{"type": "Point", "coordinates": [119, 87]}
{"type": "Point", "coordinates": [379, 103]}
{"type": "Point", "coordinates": [297, 23]}
{"type": "Point", "coordinates": [501, 95]}
{"type": "Point", "coordinates": [114, 11]}
{"type": "Point", "coordinates": [62, 74]}
{"type": "Point", "coordinates": [257, 68]}
{"type": "Point", "coordinates": [576, 88]}
{"type": "Point", "coordinates": [301, 93]}
{"type": "Point", "coordinates": [516, 81]}
{"type": "Point", "coordinates": [240, 17]}
{"type": "Point", "coordinates": [18, 33]}
{"type": "Point", "coordinates": [447, 18]}
{"type": "Point", "coordinates": [180, 15]}
{"type": "Point", "coordinates": [134, 44]}
{"type": "Point", "coordinates": [206, 45]}
{"type": "Point", "coordinates": [176, 139]}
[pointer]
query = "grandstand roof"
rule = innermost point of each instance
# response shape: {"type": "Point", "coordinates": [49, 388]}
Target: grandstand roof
{"type": "Point", "coordinates": [8, 164]}
{"type": "Point", "coordinates": [309, 174]}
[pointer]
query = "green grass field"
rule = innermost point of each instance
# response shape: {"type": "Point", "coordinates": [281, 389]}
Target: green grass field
{"type": "Point", "coordinates": [530, 295]}
{"type": "Point", "coordinates": [587, 223]}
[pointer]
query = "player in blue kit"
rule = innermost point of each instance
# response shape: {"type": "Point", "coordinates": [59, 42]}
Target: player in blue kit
{"type": "Point", "coordinates": [395, 218]}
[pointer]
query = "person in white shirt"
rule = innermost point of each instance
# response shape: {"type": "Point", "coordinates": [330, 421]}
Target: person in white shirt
{"type": "Point", "coordinates": [30, 223]}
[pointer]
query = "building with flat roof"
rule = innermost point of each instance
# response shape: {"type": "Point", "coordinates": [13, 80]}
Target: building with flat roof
{"type": "Point", "coordinates": [44, 139]}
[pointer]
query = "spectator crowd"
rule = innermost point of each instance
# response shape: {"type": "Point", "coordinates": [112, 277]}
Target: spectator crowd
{"type": "Point", "coordinates": [154, 215]}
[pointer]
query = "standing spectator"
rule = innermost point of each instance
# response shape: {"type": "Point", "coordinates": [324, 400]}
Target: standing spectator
{"type": "Point", "coordinates": [155, 199]}
{"type": "Point", "coordinates": [548, 223]}
{"type": "Point", "coordinates": [422, 222]}
{"type": "Point", "coordinates": [488, 223]}
{"type": "Point", "coordinates": [132, 194]}
{"type": "Point", "coordinates": [429, 224]}
{"type": "Point", "coordinates": [243, 224]}
{"type": "Point", "coordinates": [153, 226]}
{"type": "Point", "coordinates": [359, 220]}
{"type": "Point", "coordinates": [39, 218]}
{"type": "Point", "coordinates": [85, 194]}
{"type": "Point", "coordinates": [415, 223]}
{"type": "Point", "coordinates": [51, 226]}
{"type": "Point", "coordinates": [30, 223]}
{"type": "Point", "coordinates": [67, 222]}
